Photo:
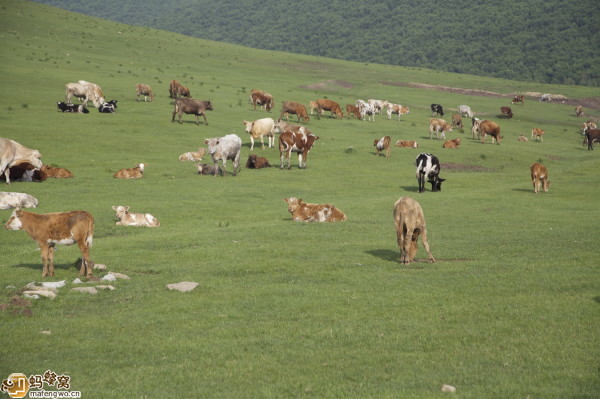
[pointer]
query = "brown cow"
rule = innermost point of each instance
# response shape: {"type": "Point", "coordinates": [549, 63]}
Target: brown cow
{"type": "Point", "coordinates": [177, 90]}
{"type": "Point", "coordinates": [191, 106]}
{"type": "Point", "coordinates": [489, 128]}
{"type": "Point", "coordinates": [410, 224]}
{"type": "Point", "coordinates": [438, 125]}
{"type": "Point", "coordinates": [539, 177]}
{"type": "Point", "coordinates": [56, 172]}
{"type": "Point", "coordinates": [143, 90]}
{"type": "Point", "coordinates": [256, 162]}
{"type": "Point", "coordinates": [262, 99]}
{"type": "Point", "coordinates": [50, 229]}
{"type": "Point", "coordinates": [455, 143]}
{"type": "Point", "coordinates": [383, 144]}
{"type": "Point", "coordinates": [506, 111]}
{"type": "Point", "coordinates": [588, 125]}
{"type": "Point", "coordinates": [407, 144]}
{"type": "Point", "coordinates": [537, 133]}
{"type": "Point", "coordinates": [352, 110]}
{"type": "Point", "coordinates": [518, 99]}
{"type": "Point", "coordinates": [306, 212]}
{"type": "Point", "coordinates": [131, 173]}
{"type": "Point", "coordinates": [591, 136]}
{"type": "Point", "coordinates": [329, 105]}
{"type": "Point", "coordinates": [290, 107]}
{"type": "Point", "coordinates": [579, 111]}
{"type": "Point", "coordinates": [457, 121]}
{"type": "Point", "coordinates": [13, 153]}
{"type": "Point", "coordinates": [295, 142]}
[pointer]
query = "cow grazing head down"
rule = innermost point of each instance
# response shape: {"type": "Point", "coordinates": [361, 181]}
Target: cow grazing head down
{"type": "Point", "coordinates": [428, 167]}
{"type": "Point", "coordinates": [410, 224]}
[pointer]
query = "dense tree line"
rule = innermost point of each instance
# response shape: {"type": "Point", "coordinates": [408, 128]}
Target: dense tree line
{"type": "Point", "coordinates": [547, 41]}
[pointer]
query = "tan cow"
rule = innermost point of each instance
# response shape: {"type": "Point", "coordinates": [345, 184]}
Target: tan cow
{"type": "Point", "coordinates": [457, 121]}
{"type": "Point", "coordinates": [13, 153]}
{"type": "Point", "coordinates": [383, 144]}
{"type": "Point", "coordinates": [579, 111]}
{"type": "Point", "coordinates": [193, 155]}
{"type": "Point", "coordinates": [407, 143]}
{"type": "Point", "coordinates": [313, 106]}
{"type": "Point", "coordinates": [84, 91]}
{"type": "Point", "coordinates": [539, 177]}
{"type": "Point", "coordinates": [455, 143]}
{"type": "Point", "coordinates": [143, 90]}
{"type": "Point", "coordinates": [438, 126]}
{"type": "Point", "coordinates": [396, 109]}
{"type": "Point", "coordinates": [127, 218]}
{"type": "Point", "coordinates": [537, 133]}
{"type": "Point", "coordinates": [260, 128]}
{"type": "Point", "coordinates": [56, 172]}
{"type": "Point", "coordinates": [306, 212]}
{"type": "Point", "coordinates": [489, 128]}
{"type": "Point", "coordinates": [50, 229]}
{"type": "Point", "coordinates": [329, 105]}
{"type": "Point", "coordinates": [290, 107]}
{"type": "Point", "coordinates": [176, 90]}
{"type": "Point", "coordinates": [410, 224]}
{"type": "Point", "coordinates": [131, 173]}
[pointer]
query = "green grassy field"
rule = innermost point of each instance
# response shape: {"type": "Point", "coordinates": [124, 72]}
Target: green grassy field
{"type": "Point", "coordinates": [285, 309]}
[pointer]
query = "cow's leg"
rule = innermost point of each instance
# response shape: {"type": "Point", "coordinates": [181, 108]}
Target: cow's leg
{"type": "Point", "coordinates": [44, 254]}
{"type": "Point", "coordinates": [289, 161]}
{"type": "Point", "coordinates": [205, 121]}
{"type": "Point", "coordinates": [51, 259]}
{"type": "Point", "coordinates": [406, 246]}
{"type": "Point", "coordinates": [6, 170]}
{"type": "Point", "coordinates": [400, 240]}
{"type": "Point", "coordinates": [173, 115]}
{"type": "Point", "coordinates": [426, 244]}
{"type": "Point", "coordinates": [262, 142]}
{"type": "Point", "coordinates": [236, 164]}
{"type": "Point", "coordinates": [252, 143]}
{"type": "Point", "coordinates": [300, 160]}
{"type": "Point", "coordinates": [86, 262]}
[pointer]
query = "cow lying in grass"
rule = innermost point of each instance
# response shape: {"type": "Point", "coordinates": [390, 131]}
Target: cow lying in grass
{"type": "Point", "coordinates": [256, 162]}
{"type": "Point", "coordinates": [72, 108]}
{"type": "Point", "coordinates": [193, 155]}
{"type": "Point", "coordinates": [410, 224]}
{"type": "Point", "coordinates": [56, 172]}
{"type": "Point", "coordinates": [208, 169]}
{"type": "Point", "coordinates": [305, 212]}
{"type": "Point", "coordinates": [407, 143]}
{"type": "Point", "coordinates": [127, 218]}
{"type": "Point", "coordinates": [131, 173]}
{"type": "Point", "coordinates": [17, 200]}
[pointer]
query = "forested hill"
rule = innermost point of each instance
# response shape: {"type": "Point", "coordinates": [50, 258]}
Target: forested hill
{"type": "Point", "coordinates": [548, 41]}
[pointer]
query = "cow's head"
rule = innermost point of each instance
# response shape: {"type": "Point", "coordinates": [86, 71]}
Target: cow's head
{"type": "Point", "coordinates": [436, 182]}
{"type": "Point", "coordinates": [293, 203]}
{"type": "Point", "coordinates": [208, 106]}
{"type": "Point", "coordinates": [212, 145]}
{"type": "Point", "coordinates": [14, 222]}
{"type": "Point", "coordinates": [120, 210]}
{"type": "Point", "coordinates": [248, 126]}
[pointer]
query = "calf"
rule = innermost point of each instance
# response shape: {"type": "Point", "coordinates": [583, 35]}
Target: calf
{"type": "Point", "coordinates": [50, 229]}
{"type": "Point", "coordinates": [127, 218]}
{"type": "Point", "coordinates": [407, 144]}
{"type": "Point", "coordinates": [131, 173]}
{"type": "Point", "coordinates": [256, 162]}
{"type": "Point", "coordinates": [262, 99]}
{"type": "Point", "coordinates": [396, 109]}
{"type": "Point", "coordinates": [455, 143]}
{"type": "Point", "coordinates": [457, 121]}
{"type": "Point", "coordinates": [465, 110]}
{"type": "Point", "coordinates": [259, 129]}
{"type": "Point", "coordinates": [290, 107]}
{"type": "Point", "coordinates": [24, 172]}
{"type": "Point", "coordinates": [176, 90]}
{"type": "Point", "coordinates": [428, 166]}
{"type": "Point", "coordinates": [56, 172]}
{"type": "Point", "coordinates": [72, 108]}
{"type": "Point", "coordinates": [224, 148]}
{"type": "Point", "coordinates": [539, 177]}
{"type": "Point", "coordinates": [522, 138]}
{"type": "Point", "coordinates": [17, 200]}
{"type": "Point", "coordinates": [329, 105]}
{"type": "Point", "coordinates": [518, 99]}
{"type": "Point", "coordinates": [489, 128]}
{"type": "Point", "coordinates": [295, 142]}
{"type": "Point", "coordinates": [108, 107]}
{"type": "Point", "coordinates": [312, 105]}
{"type": "Point", "coordinates": [579, 111]}
{"type": "Point", "coordinates": [475, 127]}
{"type": "Point", "coordinates": [352, 110]}
{"type": "Point", "coordinates": [410, 224]}
{"type": "Point", "coordinates": [210, 170]}
{"type": "Point", "coordinates": [437, 109]}
{"type": "Point", "coordinates": [306, 212]}
{"type": "Point", "coordinates": [193, 155]}
{"type": "Point", "coordinates": [506, 111]}
{"type": "Point", "coordinates": [537, 133]}
{"type": "Point", "coordinates": [191, 106]}
{"type": "Point", "coordinates": [383, 144]}
{"type": "Point", "coordinates": [366, 109]}
{"type": "Point", "coordinates": [591, 135]}
{"type": "Point", "coordinates": [143, 90]}
{"type": "Point", "coordinates": [438, 125]}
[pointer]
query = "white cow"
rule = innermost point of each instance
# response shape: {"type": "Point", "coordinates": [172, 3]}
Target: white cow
{"type": "Point", "coordinates": [13, 153]}
{"type": "Point", "coordinates": [224, 148]}
{"type": "Point", "coordinates": [465, 110]}
{"type": "Point", "coordinates": [366, 109]}
{"type": "Point", "coordinates": [86, 91]}
{"type": "Point", "coordinates": [17, 200]}
{"type": "Point", "coordinates": [259, 129]}
{"type": "Point", "coordinates": [378, 105]}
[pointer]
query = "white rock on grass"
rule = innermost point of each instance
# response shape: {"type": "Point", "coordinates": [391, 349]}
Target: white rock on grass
{"type": "Point", "coordinates": [184, 286]}
{"type": "Point", "coordinates": [89, 290]}
{"type": "Point", "coordinates": [40, 292]}
{"type": "Point", "coordinates": [98, 266]}
{"type": "Point", "coordinates": [54, 284]}
{"type": "Point", "coordinates": [106, 287]}
{"type": "Point", "coordinates": [448, 388]}
{"type": "Point", "coordinates": [113, 276]}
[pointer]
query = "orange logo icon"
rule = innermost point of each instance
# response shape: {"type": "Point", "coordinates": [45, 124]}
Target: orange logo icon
{"type": "Point", "coordinates": [16, 385]}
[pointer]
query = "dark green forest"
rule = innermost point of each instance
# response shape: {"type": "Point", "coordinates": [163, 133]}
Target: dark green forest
{"type": "Point", "coordinates": [546, 41]}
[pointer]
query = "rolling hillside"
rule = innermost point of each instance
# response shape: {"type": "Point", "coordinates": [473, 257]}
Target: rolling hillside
{"type": "Point", "coordinates": [541, 41]}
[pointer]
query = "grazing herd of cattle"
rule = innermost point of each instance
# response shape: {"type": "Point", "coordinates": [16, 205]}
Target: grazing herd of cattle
{"type": "Point", "coordinates": [48, 230]}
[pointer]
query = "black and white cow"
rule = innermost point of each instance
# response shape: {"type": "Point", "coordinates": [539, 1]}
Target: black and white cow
{"type": "Point", "coordinates": [109, 107]}
{"type": "Point", "coordinates": [428, 166]}
{"type": "Point", "coordinates": [437, 109]}
{"type": "Point", "coordinates": [79, 109]}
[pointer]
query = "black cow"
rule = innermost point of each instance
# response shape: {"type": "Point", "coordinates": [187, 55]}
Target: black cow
{"type": "Point", "coordinates": [109, 107]}
{"type": "Point", "coordinates": [79, 109]}
{"type": "Point", "coordinates": [428, 166]}
{"type": "Point", "coordinates": [437, 109]}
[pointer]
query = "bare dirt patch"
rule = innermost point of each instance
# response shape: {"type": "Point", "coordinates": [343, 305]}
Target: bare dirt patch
{"type": "Point", "coordinates": [328, 84]}
{"type": "Point", "coordinates": [451, 166]}
{"type": "Point", "coordinates": [592, 102]}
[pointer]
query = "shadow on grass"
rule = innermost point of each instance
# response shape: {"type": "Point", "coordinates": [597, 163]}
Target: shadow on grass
{"type": "Point", "coordinates": [413, 189]}
{"type": "Point", "coordinates": [57, 266]}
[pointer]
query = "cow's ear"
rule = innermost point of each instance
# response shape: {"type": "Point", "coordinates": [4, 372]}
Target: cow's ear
{"type": "Point", "coordinates": [287, 200]}
{"type": "Point", "coordinates": [114, 208]}
{"type": "Point", "coordinates": [126, 208]}
{"type": "Point", "coordinates": [441, 180]}
{"type": "Point", "coordinates": [205, 141]}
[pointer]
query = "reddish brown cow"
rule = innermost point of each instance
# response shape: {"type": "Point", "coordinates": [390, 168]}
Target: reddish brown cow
{"type": "Point", "coordinates": [457, 121]}
{"type": "Point", "coordinates": [49, 229]}
{"type": "Point", "coordinates": [290, 107]}
{"type": "Point", "coordinates": [489, 128]}
{"type": "Point", "coordinates": [306, 212]}
{"type": "Point", "coordinates": [407, 144]}
{"type": "Point", "coordinates": [591, 136]}
{"type": "Point", "coordinates": [256, 162]}
{"type": "Point", "coordinates": [53, 171]}
{"type": "Point", "coordinates": [518, 99]}
{"type": "Point", "coordinates": [131, 173]}
{"type": "Point", "coordinates": [177, 90]}
{"type": "Point", "coordinates": [329, 105]}
{"type": "Point", "coordinates": [537, 133]}
{"type": "Point", "coordinates": [262, 99]}
{"type": "Point", "coordinates": [455, 143]}
{"type": "Point", "coordinates": [506, 111]}
{"type": "Point", "coordinates": [352, 110]}
{"type": "Point", "coordinates": [296, 142]}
